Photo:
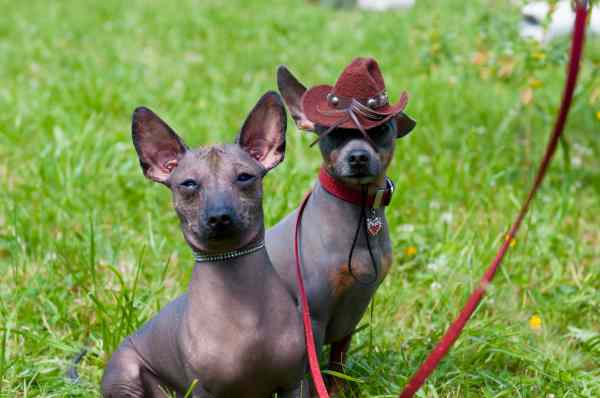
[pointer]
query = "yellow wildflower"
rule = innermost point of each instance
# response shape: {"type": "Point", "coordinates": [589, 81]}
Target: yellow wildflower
{"type": "Point", "coordinates": [535, 322]}
{"type": "Point", "coordinates": [539, 55]}
{"type": "Point", "coordinates": [535, 83]}
{"type": "Point", "coordinates": [598, 115]}
{"type": "Point", "coordinates": [410, 251]}
{"type": "Point", "coordinates": [513, 241]}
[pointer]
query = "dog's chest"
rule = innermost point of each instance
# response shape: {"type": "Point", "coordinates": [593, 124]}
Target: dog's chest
{"type": "Point", "coordinates": [359, 275]}
{"type": "Point", "coordinates": [254, 359]}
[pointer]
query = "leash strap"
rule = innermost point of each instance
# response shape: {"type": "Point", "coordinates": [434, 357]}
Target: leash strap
{"type": "Point", "coordinates": [311, 349]}
{"type": "Point", "coordinates": [459, 323]}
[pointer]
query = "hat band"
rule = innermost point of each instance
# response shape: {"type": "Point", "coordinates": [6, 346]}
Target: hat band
{"type": "Point", "coordinates": [376, 101]}
{"type": "Point", "coordinates": [357, 107]}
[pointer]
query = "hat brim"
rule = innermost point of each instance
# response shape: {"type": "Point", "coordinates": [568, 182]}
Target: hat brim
{"type": "Point", "coordinates": [318, 110]}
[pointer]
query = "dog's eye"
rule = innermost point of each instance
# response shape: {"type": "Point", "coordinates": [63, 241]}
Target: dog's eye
{"type": "Point", "coordinates": [189, 183]}
{"type": "Point", "coordinates": [382, 130]}
{"type": "Point", "coordinates": [243, 177]}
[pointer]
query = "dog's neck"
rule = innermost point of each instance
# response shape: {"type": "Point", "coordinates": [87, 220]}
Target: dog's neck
{"type": "Point", "coordinates": [233, 274]}
{"type": "Point", "coordinates": [238, 287]}
{"type": "Point", "coordinates": [370, 196]}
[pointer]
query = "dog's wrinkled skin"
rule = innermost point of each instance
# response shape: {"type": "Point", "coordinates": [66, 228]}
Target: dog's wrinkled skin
{"type": "Point", "coordinates": [337, 300]}
{"type": "Point", "coordinates": [237, 331]}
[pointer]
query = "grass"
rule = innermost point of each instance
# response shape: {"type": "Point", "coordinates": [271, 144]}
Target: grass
{"type": "Point", "coordinates": [89, 249]}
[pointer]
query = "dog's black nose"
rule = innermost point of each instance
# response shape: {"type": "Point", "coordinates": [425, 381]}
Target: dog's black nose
{"type": "Point", "coordinates": [223, 219]}
{"type": "Point", "coordinates": [358, 158]}
{"type": "Point", "coordinates": [219, 218]}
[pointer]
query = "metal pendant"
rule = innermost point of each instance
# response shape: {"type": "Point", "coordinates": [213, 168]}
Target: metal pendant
{"type": "Point", "coordinates": [374, 223]}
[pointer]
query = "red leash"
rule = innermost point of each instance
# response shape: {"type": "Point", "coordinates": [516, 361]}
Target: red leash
{"type": "Point", "coordinates": [457, 326]}
{"type": "Point", "coordinates": [311, 349]}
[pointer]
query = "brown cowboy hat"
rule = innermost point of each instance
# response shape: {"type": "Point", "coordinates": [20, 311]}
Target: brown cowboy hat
{"type": "Point", "coordinates": [358, 100]}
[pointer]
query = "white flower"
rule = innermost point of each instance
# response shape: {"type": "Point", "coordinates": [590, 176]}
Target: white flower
{"type": "Point", "coordinates": [438, 264]}
{"type": "Point", "coordinates": [407, 228]}
{"type": "Point", "coordinates": [447, 217]}
{"type": "Point", "coordinates": [576, 161]}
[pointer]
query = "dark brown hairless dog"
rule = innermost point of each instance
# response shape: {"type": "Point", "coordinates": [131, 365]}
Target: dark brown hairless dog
{"type": "Point", "coordinates": [237, 332]}
{"type": "Point", "coordinates": [356, 129]}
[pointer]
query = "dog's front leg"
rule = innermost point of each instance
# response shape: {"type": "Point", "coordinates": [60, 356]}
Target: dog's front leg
{"type": "Point", "coordinates": [124, 376]}
{"type": "Point", "coordinates": [337, 359]}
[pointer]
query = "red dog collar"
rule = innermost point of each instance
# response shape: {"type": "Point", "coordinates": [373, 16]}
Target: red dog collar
{"type": "Point", "coordinates": [381, 198]}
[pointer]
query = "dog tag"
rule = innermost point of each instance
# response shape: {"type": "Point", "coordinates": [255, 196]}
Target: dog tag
{"type": "Point", "coordinates": [374, 223]}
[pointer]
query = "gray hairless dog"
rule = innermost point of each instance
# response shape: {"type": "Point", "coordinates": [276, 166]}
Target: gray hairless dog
{"type": "Point", "coordinates": [237, 332]}
{"type": "Point", "coordinates": [338, 294]}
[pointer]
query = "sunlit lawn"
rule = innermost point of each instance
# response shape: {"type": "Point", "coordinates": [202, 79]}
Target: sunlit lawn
{"type": "Point", "coordinates": [89, 249]}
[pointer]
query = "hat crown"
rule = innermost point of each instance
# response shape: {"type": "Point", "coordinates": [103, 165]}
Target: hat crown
{"type": "Point", "coordinates": [361, 79]}
{"type": "Point", "coordinates": [357, 101]}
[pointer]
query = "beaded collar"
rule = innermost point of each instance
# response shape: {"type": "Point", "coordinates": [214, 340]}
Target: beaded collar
{"type": "Point", "coordinates": [206, 258]}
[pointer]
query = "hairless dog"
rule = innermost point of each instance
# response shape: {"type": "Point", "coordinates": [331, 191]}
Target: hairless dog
{"type": "Point", "coordinates": [345, 245]}
{"type": "Point", "coordinates": [237, 332]}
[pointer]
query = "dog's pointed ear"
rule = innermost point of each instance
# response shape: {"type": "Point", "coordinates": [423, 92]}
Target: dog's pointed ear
{"type": "Point", "coordinates": [292, 90]}
{"type": "Point", "coordinates": [263, 133]}
{"type": "Point", "coordinates": [159, 149]}
{"type": "Point", "coordinates": [404, 124]}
